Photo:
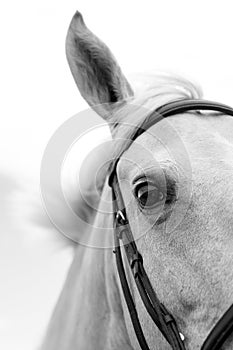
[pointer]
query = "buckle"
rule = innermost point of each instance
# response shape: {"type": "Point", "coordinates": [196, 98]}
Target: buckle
{"type": "Point", "coordinates": [135, 260]}
{"type": "Point", "coordinates": [120, 218]}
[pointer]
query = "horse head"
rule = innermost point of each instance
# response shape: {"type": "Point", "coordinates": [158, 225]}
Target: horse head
{"type": "Point", "coordinates": [176, 182]}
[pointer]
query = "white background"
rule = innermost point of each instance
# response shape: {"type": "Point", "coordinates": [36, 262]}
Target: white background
{"type": "Point", "coordinates": [192, 38]}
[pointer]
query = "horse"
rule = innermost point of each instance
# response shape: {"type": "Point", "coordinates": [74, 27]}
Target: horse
{"type": "Point", "coordinates": [176, 181]}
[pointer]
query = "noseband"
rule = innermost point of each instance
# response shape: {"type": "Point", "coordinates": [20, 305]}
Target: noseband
{"type": "Point", "coordinates": [123, 236]}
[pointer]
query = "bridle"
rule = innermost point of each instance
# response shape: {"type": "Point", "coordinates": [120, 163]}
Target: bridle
{"type": "Point", "coordinates": [123, 236]}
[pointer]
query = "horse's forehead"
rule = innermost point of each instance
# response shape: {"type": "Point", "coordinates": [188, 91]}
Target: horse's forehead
{"type": "Point", "coordinates": [182, 139]}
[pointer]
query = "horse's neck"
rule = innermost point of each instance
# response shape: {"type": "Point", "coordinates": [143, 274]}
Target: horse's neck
{"type": "Point", "coordinates": [88, 314]}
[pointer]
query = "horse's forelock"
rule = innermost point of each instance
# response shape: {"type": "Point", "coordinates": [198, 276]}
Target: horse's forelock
{"type": "Point", "coordinates": [151, 92]}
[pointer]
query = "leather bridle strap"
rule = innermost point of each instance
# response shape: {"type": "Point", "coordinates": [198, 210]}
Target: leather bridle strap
{"type": "Point", "coordinates": [157, 311]}
{"type": "Point", "coordinates": [220, 332]}
{"type": "Point", "coordinates": [122, 234]}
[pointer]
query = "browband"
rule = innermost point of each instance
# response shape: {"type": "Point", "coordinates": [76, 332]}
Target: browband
{"type": "Point", "coordinates": [167, 110]}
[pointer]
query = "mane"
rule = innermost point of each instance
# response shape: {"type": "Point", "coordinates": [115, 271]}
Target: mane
{"type": "Point", "coordinates": [151, 91]}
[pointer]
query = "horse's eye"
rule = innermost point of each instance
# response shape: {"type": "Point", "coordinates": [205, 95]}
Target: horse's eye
{"type": "Point", "coordinates": [148, 195]}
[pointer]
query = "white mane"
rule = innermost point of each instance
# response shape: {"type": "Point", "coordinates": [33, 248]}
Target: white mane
{"type": "Point", "coordinates": [152, 90]}
{"type": "Point", "coordinates": [158, 83]}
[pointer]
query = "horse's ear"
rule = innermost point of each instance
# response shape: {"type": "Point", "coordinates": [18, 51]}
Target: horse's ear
{"type": "Point", "coordinates": [95, 70]}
